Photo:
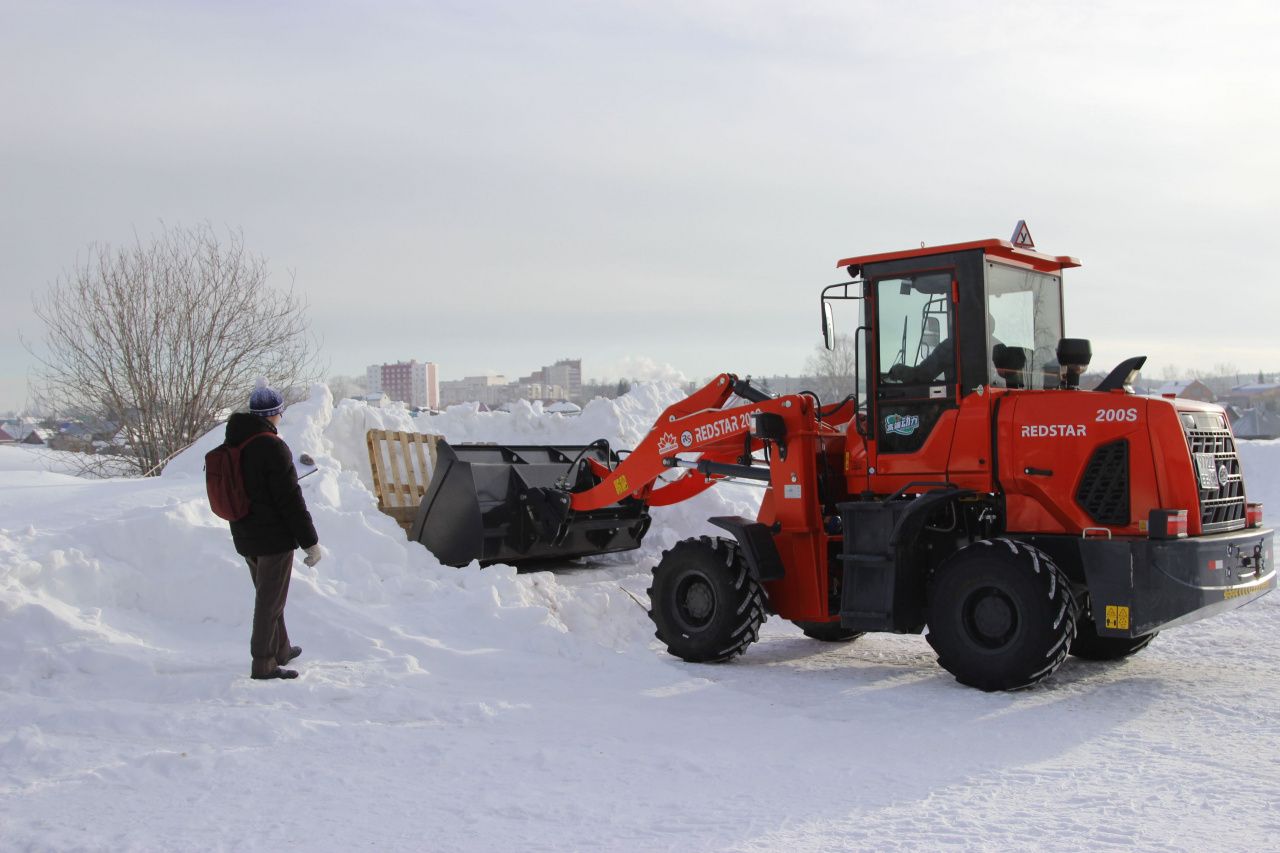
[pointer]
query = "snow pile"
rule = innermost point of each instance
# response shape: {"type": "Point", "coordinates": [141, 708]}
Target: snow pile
{"type": "Point", "coordinates": [623, 421]}
{"type": "Point", "coordinates": [1259, 460]}
{"type": "Point", "coordinates": [26, 457]}
{"type": "Point", "coordinates": [141, 568]}
{"type": "Point", "coordinates": [488, 709]}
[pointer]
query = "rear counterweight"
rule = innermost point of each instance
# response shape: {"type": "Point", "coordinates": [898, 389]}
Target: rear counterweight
{"type": "Point", "coordinates": [1137, 586]}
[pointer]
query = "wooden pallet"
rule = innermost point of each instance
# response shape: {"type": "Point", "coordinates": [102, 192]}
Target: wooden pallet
{"type": "Point", "coordinates": [402, 465]}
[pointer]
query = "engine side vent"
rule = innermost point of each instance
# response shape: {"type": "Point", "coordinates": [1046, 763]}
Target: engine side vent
{"type": "Point", "coordinates": [1104, 488]}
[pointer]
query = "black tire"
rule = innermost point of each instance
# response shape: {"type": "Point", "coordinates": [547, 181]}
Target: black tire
{"type": "Point", "coordinates": [828, 632]}
{"type": "Point", "coordinates": [705, 603]}
{"type": "Point", "coordinates": [1089, 646]}
{"type": "Point", "coordinates": [1001, 615]}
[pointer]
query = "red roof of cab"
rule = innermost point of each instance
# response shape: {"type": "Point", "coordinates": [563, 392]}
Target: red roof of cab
{"type": "Point", "coordinates": [1002, 249]}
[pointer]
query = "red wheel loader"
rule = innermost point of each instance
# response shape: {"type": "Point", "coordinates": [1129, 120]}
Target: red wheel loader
{"type": "Point", "coordinates": [973, 490]}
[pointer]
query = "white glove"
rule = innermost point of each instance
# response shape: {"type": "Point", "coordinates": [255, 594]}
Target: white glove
{"type": "Point", "coordinates": [313, 554]}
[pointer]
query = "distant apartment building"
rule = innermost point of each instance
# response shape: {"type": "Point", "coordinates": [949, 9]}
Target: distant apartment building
{"type": "Point", "coordinates": [553, 383]}
{"type": "Point", "coordinates": [494, 390]}
{"type": "Point", "coordinates": [565, 374]}
{"type": "Point", "coordinates": [491, 390]}
{"type": "Point", "coordinates": [540, 391]}
{"type": "Point", "coordinates": [413, 382]}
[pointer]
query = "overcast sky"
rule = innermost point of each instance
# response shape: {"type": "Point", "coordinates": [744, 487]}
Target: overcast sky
{"type": "Point", "coordinates": [493, 186]}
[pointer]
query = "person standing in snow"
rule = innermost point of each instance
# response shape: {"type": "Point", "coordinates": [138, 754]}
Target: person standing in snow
{"type": "Point", "coordinates": [278, 523]}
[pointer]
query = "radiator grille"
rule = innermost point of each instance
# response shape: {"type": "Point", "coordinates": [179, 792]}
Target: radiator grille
{"type": "Point", "coordinates": [1104, 488]}
{"type": "Point", "coordinates": [1217, 468]}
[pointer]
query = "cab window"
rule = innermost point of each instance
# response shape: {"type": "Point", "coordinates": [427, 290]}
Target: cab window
{"type": "Point", "coordinates": [916, 354]}
{"type": "Point", "coordinates": [914, 324]}
{"type": "Point", "coordinates": [1024, 325]}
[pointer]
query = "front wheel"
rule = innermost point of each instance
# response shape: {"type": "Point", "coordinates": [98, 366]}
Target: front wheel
{"type": "Point", "coordinates": [705, 603]}
{"type": "Point", "coordinates": [1001, 615]}
{"type": "Point", "coordinates": [1089, 646]}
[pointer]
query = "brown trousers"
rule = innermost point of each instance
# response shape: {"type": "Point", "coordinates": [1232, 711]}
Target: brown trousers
{"type": "Point", "coordinates": [270, 640]}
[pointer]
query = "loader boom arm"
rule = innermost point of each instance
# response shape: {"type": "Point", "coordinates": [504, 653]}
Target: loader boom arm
{"type": "Point", "coordinates": [699, 424]}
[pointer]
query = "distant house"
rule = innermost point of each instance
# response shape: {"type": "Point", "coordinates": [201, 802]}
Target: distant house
{"type": "Point", "coordinates": [5, 438]}
{"type": "Point", "coordinates": [21, 428]}
{"type": "Point", "coordinates": [72, 436]}
{"type": "Point", "coordinates": [1257, 395]}
{"type": "Point", "coordinates": [1190, 389]}
{"type": "Point", "coordinates": [377, 401]}
{"type": "Point", "coordinates": [1254, 423]}
{"type": "Point", "coordinates": [37, 436]}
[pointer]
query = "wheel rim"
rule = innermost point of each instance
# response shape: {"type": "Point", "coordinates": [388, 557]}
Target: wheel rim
{"type": "Point", "coordinates": [695, 603]}
{"type": "Point", "coordinates": [990, 618]}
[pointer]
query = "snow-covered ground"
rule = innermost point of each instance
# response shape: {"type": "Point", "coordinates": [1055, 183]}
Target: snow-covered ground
{"type": "Point", "coordinates": [479, 710]}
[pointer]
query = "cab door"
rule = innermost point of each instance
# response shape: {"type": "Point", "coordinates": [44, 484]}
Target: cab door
{"type": "Point", "coordinates": [915, 358]}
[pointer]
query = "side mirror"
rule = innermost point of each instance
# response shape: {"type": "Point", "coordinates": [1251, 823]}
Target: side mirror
{"type": "Point", "coordinates": [828, 325]}
{"type": "Point", "coordinates": [1074, 354]}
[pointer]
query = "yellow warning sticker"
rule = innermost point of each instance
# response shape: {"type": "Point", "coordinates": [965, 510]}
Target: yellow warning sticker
{"type": "Point", "coordinates": [620, 485]}
{"type": "Point", "coordinates": [1117, 617]}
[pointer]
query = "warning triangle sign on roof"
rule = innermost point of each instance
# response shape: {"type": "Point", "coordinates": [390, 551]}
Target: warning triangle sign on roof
{"type": "Point", "coordinates": [1022, 236]}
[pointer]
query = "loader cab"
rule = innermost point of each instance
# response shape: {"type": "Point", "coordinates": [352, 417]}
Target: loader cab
{"type": "Point", "coordinates": [945, 323]}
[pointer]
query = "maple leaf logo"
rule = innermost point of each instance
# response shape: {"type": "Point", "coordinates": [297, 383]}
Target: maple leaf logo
{"type": "Point", "coordinates": [667, 443]}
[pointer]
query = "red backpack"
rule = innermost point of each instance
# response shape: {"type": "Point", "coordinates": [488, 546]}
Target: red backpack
{"type": "Point", "coordinates": [224, 480]}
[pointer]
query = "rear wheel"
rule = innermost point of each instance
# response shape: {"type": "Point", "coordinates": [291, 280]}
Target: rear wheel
{"type": "Point", "coordinates": [1089, 646]}
{"type": "Point", "coordinates": [704, 602]}
{"type": "Point", "coordinates": [1001, 615]}
{"type": "Point", "coordinates": [828, 632]}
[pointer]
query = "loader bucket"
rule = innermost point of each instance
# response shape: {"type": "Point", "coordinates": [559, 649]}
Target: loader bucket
{"type": "Point", "coordinates": [501, 504]}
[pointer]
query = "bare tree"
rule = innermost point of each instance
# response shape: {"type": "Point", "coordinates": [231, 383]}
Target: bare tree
{"type": "Point", "coordinates": [1228, 375]}
{"type": "Point", "coordinates": [348, 386]}
{"type": "Point", "coordinates": [166, 337]}
{"type": "Point", "coordinates": [833, 369]}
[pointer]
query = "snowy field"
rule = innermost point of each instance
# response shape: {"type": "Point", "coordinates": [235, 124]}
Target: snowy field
{"type": "Point", "coordinates": [485, 710]}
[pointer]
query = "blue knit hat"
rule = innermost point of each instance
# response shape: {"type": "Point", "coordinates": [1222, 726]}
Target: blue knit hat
{"type": "Point", "coordinates": [265, 401]}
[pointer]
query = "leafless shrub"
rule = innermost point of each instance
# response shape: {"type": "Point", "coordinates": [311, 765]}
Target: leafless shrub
{"type": "Point", "coordinates": [166, 337]}
{"type": "Point", "coordinates": [833, 369]}
{"type": "Point", "coordinates": [88, 465]}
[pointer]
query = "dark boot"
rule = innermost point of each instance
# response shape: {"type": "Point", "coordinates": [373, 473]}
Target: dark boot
{"type": "Point", "coordinates": [288, 655]}
{"type": "Point", "coordinates": [268, 668]}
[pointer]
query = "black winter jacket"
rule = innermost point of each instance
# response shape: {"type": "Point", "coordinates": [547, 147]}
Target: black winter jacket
{"type": "Point", "coordinates": [278, 520]}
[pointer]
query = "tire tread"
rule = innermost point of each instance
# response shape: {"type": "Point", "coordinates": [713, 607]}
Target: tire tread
{"type": "Point", "coordinates": [749, 610]}
{"type": "Point", "coordinates": [1057, 639]}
